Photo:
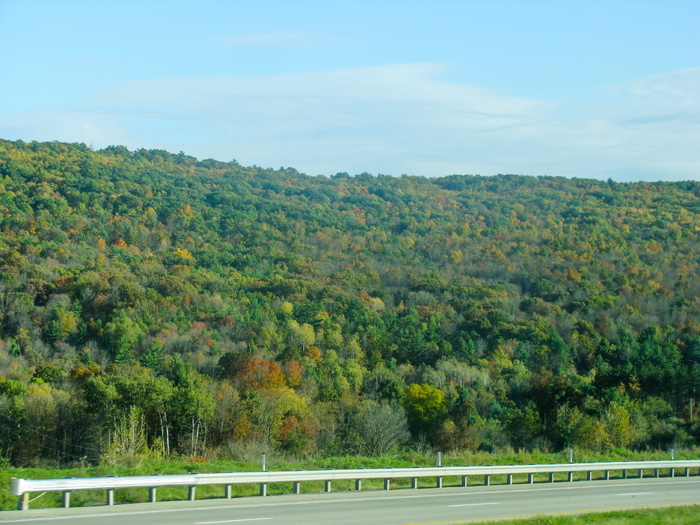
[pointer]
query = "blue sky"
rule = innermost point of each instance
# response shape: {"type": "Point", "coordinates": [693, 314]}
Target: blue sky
{"type": "Point", "coordinates": [595, 89]}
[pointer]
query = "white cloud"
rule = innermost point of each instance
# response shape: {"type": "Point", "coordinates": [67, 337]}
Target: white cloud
{"type": "Point", "coordinates": [675, 89]}
{"type": "Point", "coordinates": [372, 119]}
{"type": "Point", "coordinates": [395, 119]}
{"type": "Point", "coordinates": [64, 125]}
{"type": "Point", "coordinates": [645, 129]}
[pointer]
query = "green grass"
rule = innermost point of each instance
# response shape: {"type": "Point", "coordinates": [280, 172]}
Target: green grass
{"type": "Point", "coordinates": [684, 515]}
{"type": "Point", "coordinates": [281, 463]}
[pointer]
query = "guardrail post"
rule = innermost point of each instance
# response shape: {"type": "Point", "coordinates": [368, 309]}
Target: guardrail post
{"type": "Point", "coordinates": [624, 473]}
{"type": "Point", "coordinates": [487, 480]}
{"type": "Point", "coordinates": [327, 486]}
{"type": "Point", "coordinates": [263, 489]}
{"type": "Point", "coordinates": [358, 485]}
{"type": "Point", "coordinates": [65, 500]}
{"type": "Point", "coordinates": [530, 478]}
{"type": "Point", "coordinates": [571, 476]}
{"type": "Point", "coordinates": [606, 477]}
{"type": "Point", "coordinates": [551, 477]}
{"type": "Point", "coordinates": [110, 496]}
{"type": "Point", "coordinates": [227, 491]}
{"type": "Point", "coordinates": [510, 479]}
{"type": "Point", "coordinates": [439, 482]}
{"type": "Point", "coordinates": [673, 472]}
{"type": "Point", "coordinates": [687, 472]}
{"type": "Point", "coordinates": [23, 502]}
{"type": "Point", "coordinates": [414, 483]}
{"type": "Point", "coordinates": [191, 493]}
{"type": "Point", "coordinates": [589, 475]}
{"type": "Point", "coordinates": [641, 473]}
{"type": "Point", "coordinates": [387, 483]}
{"type": "Point", "coordinates": [297, 487]}
{"type": "Point", "coordinates": [464, 481]}
{"type": "Point", "coordinates": [152, 494]}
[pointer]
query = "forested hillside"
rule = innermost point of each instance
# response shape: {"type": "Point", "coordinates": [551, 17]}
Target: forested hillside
{"type": "Point", "coordinates": [153, 303]}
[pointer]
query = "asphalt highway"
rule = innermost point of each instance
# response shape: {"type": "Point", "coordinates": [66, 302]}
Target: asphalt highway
{"type": "Point", "coordinates": [396, 507]}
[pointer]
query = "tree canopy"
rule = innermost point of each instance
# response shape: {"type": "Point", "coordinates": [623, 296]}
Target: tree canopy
{"type": "Point", "coordinates": [206, 304]}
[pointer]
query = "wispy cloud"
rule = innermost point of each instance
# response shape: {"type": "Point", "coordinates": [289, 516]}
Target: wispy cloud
{"type": "Point", "coordinates": [654, 124]}
{"type": "Point", "coordinates": [677, 88]}
{"type": "Point", "coordinates": [373, 119]}
{"type": "Point", "coordinates": [398, 119]}
{"type": "Point", "coordinates": [67, 125]}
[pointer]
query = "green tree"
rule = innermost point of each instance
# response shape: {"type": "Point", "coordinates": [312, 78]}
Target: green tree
{"type": "Point", "coordinates": [192, 406]}
{"type": "Point", "coordinates": [62, 324]}
{"type": "Point", "coordinates": [525, 427]}
{"type": "Point", "coordinates": [618, 425]}
{"type": "Point", "coordinates": [425, 407]}
{"type": "Point", "coordinates": [121, 335]}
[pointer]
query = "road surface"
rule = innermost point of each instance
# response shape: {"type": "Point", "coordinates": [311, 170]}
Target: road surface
{"type": "Point", "coordinates": [396, 507]}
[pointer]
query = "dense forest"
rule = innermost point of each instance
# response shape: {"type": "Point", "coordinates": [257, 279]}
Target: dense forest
{"type": "Point", "coordinates": [153, 303]}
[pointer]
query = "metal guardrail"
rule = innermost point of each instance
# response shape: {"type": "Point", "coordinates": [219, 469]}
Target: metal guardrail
{"type": "Point", "coordinates": [23, 487]}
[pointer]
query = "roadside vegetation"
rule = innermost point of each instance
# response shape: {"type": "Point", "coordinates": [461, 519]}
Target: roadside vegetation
{"type": "Point", "coordinates": [683, 515]}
